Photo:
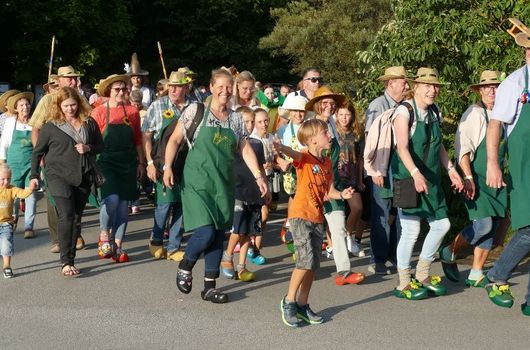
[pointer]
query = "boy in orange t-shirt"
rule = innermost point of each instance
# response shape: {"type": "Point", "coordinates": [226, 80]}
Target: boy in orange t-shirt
{"type": "Point", "coordinates": [314, 186]}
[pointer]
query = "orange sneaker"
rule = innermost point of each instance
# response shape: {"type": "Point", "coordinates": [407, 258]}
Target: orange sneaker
{"type": "Point", "coordinates": [351, 278]}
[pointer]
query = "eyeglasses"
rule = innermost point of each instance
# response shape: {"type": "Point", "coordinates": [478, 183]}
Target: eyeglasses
{"type": "Point", "coordinates": [488, 88]}
{"type": "Point", "coordinates": [123, 89]}
{"type": "Point", "coordinates": [315, 80]}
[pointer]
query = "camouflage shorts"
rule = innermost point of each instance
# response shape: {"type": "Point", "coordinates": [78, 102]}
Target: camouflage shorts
{"type": "Point", "coordinates": [307, 239]}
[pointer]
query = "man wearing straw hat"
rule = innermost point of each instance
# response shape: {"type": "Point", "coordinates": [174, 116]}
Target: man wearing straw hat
{"type": "Point", "coordinates": [384, 236]}
{"type": "Point", "coordinates": [486, 206]}
{"type": "Point", "coordinates": [66, 77]}
{"type": "Point", "coordinates": [137, 80]}
{"type": "Point", "coordinates": [512, 112]}
{"type": "Point", "coordinates": [3, 107]}
{"type": "Point", "coordinates": [163, 112]}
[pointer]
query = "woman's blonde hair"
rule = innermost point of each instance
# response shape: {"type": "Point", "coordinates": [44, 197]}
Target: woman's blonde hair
{"type": "Point", "coordinates": [64, 93]}
{"type": "Point", "coordinates": [310, 128]}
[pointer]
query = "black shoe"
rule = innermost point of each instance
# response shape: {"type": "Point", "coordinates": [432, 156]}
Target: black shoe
{"type": "Point", "coordinates": [215, 296]}
{"type": "Point", "coordinates": [184, 281]}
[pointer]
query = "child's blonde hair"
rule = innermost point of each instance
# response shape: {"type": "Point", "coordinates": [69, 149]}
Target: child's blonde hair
{"type": "Point", "coordinates": [245, 112]}
{"type": "Point", "coordinates": [310, 128]}
{"type": "Point", "coordinates": [4, 168]}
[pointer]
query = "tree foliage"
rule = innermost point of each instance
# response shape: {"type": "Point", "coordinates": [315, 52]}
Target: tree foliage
{"type": "Point", "coordinates": [327, 34]}
{"type": "Point", "coordinates": [88, 38]}
{"type": "Point", "coordinates": [460, 38]}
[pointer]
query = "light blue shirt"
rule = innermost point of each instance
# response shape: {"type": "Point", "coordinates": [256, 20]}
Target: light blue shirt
{"type": "Point", "coordinates": [508, 99]}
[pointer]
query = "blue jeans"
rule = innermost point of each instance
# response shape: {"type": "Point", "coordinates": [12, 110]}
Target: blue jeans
{"type": "Point", "coordinates": [384, 237]}
{"type": "Point", "coordinates": [514, 252]}
{"type": "Point", "coordinates": [410, 226]}
{"type": "Point", "coordinates": [207, 240]}
{"type": "Point", "coordinates": [162, 212]}
{"type": "Point", "coordinates": [29, 213]}
{"type": "Point", "coordinates": [114, 214]}
{"type": "Point", "coordinates": [6, 239]}
{"type": "Point", "coordinates": [480, 233]}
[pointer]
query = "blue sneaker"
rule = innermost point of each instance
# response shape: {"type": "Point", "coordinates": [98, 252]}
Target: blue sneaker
{"type": "Point", "coordinates": [306, 314]}
{"type": "Point", "coordinates": [255, 257]}
{"type": "Point", "coordinates": [289, 313]}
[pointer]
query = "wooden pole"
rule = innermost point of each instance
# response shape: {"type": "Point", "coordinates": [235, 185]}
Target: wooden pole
{"type": "Point", "coordinates": [51, 59]}
{"type": "Point", "coordinates": [162, 59]}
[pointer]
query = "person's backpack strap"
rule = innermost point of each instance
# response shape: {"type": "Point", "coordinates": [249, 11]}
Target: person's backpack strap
{"type": "Point", "coordinates": [412, 115]}
{"type": "Point", "coordinates": [436, 112]}
{"type": "Point", "coordinates": [199, 114]}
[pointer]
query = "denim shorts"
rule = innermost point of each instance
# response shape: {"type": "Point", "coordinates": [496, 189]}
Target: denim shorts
{"type": "Point", "coordinates": [247, 218]}
{"type": "Point", "coordinates": [307, 239]}
{"type": "Point", "coordinates": [6, 239]}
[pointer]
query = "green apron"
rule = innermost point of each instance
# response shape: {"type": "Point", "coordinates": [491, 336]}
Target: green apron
{"type": "Point", "coordinates": [519, 165]}
{"type": "Point", "coordinates": [488, 201]}
{"type": "Point", "coordinates": [334, 153]}
{"type": "Point", "coordinates": [208, 180]}
{"type": "Point", "coordinates": [430, 205]}
{"type": "Point", "coordinates": [164, 194]}
{"type": "Point", "coordinates": [118, 160]}
{"type": "Point", "coordinates": [19, 157]}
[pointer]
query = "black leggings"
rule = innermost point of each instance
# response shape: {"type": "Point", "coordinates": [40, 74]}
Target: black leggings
{"type": "Point", "coordinates": [69, 211]}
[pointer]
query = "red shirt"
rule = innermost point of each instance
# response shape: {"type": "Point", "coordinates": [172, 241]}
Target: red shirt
{"type": "Point", "coordinates": [117, 116]}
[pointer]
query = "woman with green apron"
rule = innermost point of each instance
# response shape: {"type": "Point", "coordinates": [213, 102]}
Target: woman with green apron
{"type": "Point", "coordinates": [208, 181]}
{"type": "Point", "coordinates": [420, 154]}
{"type": "Point", "coordinates": [485, 205]}
{"type": "Point", "coordinates": [16, 149]}
{"type": "Point", "coordinates": [121, 163]}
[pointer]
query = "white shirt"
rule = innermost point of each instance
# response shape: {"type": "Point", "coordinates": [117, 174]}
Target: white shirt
{"type": "Point", "coordinates": [507, 100]}
{"type": "Point", "coordinates": [7, 135]}
{"type": "Point", "coordinates": [421, 115]}
{"type": "Point", "coordinates": [471, 131]}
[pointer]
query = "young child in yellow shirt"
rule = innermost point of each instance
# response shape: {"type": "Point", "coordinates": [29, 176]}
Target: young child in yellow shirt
{"type": "Point", "coordinates": [8, 193]}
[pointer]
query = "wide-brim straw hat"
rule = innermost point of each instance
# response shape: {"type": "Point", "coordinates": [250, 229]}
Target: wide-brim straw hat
{"type": "Point", "coordinates": [188, 72]}
{"type": "Point", "coordinates": [487, 77]}
{"type": "Point", "coordinates": [104, 86]}
{"type": "Point", "coordinates": [523, 39]}
{"type": "Point", "coordinates": [427, 75]}
{"type": "Point", "coordinates": [179, 78]}
{"type": "Point", "coordinates": [12, 101]}
{"type": "Point", "coordinates": [396, 72]}
{"type": "Point", "coordinates": [67, 72]}
{"type": "Point", "coordinates": [324, 92]}
{"type": "Point", "coordinates": [5, 96]}
{"type": "Point", "coordinates": [293, 103]}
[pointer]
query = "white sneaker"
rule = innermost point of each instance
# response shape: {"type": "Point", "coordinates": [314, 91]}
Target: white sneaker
{"type": "Point", "coordinates": [329, 252]}
{"type": "Point", "coordinates": [356, 249]}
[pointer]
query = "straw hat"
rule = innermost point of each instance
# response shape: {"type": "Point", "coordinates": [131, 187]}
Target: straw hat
{"type": "Point", "coordinates": [12, 101]}
{"type": "Point", "coordinates": [5, 96]}
{"type": "Point", "coordinates": [488, 77]}
{"type": "Point", "coordinates": [520, 32]}
{"type": "Point", "coordinates": [293, 103]}
{"type": "Point", "coordinates": [52, 82]}
{"type": "Point", "coordinates": [396, 72]}
{"type": "Point", "coordinates": [67, 71]}
{"type": "Point", "coordinates": [104, 86]}
{"type": "Point", "coordinates": [188, 72]}
{"type": "Point", "coordinates": [135, 68]}
{"type": "Point", "coordinates": [324, 92]}
{"type": "Point", "coordinates": [428, 76]}
{"type": "Point", "coordinates": [179, 78]}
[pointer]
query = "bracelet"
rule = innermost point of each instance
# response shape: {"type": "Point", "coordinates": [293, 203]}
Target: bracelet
{"type": "Point", "coordinates": [340, 194]}
{"type": "Point", "coordinates": [450, 168]}
{"type": "Point", "coordinates": [259, 177]}
{"type": "Point", "coordinates": [150, 162]}
{"type": "Point", "coordinates": [468, 177]}
{"type": "Point", "coordinates": [257, 174]}
{"type": "Point", "coordinates": [414, 171]}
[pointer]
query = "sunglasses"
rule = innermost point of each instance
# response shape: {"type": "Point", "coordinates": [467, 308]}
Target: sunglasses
{"type": "Point", "coordinates": [314, 80]}
{"type": "Point", "coordinates": [123, 89]}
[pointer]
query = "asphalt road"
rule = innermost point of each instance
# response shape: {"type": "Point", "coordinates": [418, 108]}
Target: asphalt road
{"type": "Point", "coordinates": [136, 305]}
